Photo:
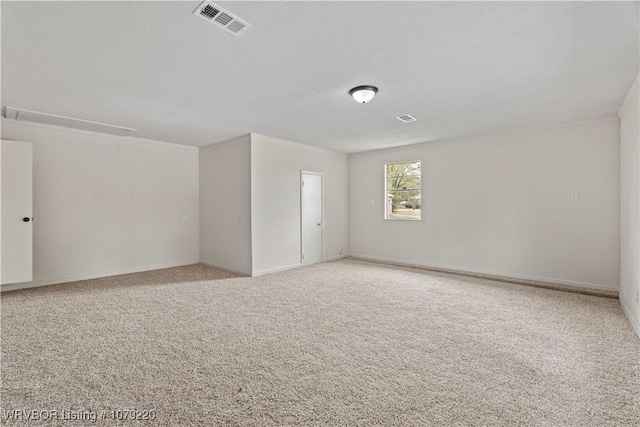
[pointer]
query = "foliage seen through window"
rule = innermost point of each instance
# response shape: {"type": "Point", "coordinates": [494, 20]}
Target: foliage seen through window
{"type": "Point", "coordinates": [403, 190]}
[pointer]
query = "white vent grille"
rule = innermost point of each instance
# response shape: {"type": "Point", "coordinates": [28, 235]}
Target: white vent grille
{"type": "Point", "coordinates": [209, 11]}
{"type": "Point", "coordinates": [406, 118]}
{"type": "Point", "coordinates": [221, 18]}
{"type": "Point", "coordinates": [235, 26]}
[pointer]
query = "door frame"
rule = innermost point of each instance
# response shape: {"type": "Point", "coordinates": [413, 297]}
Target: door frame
{"type": "Point", "coordinates": [302, 173]}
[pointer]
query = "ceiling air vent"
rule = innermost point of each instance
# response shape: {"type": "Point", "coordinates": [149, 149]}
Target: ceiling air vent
{"type": "Point", "coordinates": [209, 12]}
{"type": "Point", "coordinates": [221, 18]}
{"type": "Point", "coordinates": [406, 118]}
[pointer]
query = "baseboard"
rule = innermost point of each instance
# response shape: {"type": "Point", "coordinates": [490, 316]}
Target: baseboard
{"type": "Point", "coordinates": [635, 323]}
{"type": "Point", "coordinates": [49, 282]}
{"type": "Point", "coordinates": [334, 258]}
{"type": "Point", "coordinates": [292, 266]}
{"type": "Point", "coordinates": [276, 270]}
{"type": "Point", "coordinates": [268, 271]}
{"type": "Point", "coordinates": [225, 268]}
{"type": "Point", "coordinates": [521, 279]}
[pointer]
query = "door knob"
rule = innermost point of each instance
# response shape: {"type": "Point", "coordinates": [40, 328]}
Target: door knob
{"type": "Point", "coordinates": [26, 219]}
{"type": "Point", "coordinates": [319, 224]}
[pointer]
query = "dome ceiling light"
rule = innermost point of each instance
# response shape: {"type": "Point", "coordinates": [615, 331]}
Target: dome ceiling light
{"type": "Point", "coordinates": [363, 94]}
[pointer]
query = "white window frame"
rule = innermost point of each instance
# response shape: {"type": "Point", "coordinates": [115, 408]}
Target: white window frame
{"type": "Point", "coordinates": [385, 214]}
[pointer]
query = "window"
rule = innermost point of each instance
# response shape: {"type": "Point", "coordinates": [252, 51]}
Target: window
{"type": "Point", "coordinates": [403, 190]}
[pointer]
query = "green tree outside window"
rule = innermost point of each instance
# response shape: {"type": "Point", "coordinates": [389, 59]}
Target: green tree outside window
{"type": "Point", "coordinates": [403, 190]}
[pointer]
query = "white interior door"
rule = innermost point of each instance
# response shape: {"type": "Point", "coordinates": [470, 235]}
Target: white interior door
{"type": "Point", "coordinates": [311, 220]}
{"type": "Point", "coordinates": [16, 183]}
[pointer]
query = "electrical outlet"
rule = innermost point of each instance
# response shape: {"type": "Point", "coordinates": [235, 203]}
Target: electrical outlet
{"type": "Point", "coordinates": [573, 197]}
{"type": "Point", "coordinates": [185, 218]}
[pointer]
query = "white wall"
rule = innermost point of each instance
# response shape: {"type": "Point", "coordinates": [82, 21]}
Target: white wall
{"type": "Point", "coordinates": [225, 205]}
{"type": "Point", "coordinates": [105, 206]}
{"type": "Point", "coordinates": [630, 209]}
{"type": "Point", "coordinates": [501, 205]}
{"type": "Point", "coordinates": [275, 183]}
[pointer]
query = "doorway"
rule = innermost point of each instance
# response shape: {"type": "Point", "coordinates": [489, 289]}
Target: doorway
{"type": "Point", "coordinates": [311, 217]}
{"type": "Point", "coordinates": [16, 183]}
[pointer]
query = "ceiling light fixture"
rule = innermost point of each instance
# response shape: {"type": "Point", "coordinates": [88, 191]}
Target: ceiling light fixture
{"type": "Point", "coordinates": [363, 94]}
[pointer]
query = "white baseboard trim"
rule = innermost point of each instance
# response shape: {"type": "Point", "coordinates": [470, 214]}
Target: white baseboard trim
{"type": "Point", "coordinates": [292, 266]}
{"type": "Point", "coordinates": [488, 274]}
{"type": "Point", "coordinates": [635, 323]}
{"type": "Point", "coordinates": [276, 270]}
{"type": "Point", "coordinates": [334, 258]}
{"type": "Point", "coordinates": [48, 282]}
{"type": "Point", "coordinates": [226, 268]}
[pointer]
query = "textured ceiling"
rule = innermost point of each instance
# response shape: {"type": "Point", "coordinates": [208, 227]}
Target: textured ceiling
{"type": "Point", "coordinates": [459, 67]}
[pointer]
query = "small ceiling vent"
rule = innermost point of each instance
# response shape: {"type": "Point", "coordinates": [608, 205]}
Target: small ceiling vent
{"type": "Point", "coordinates": [221, 18]}
{"type": "Point", "coordinates": [406, 118]}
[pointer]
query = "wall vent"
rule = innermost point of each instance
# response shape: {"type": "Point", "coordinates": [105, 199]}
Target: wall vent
{"type": "Point", "coordinates": [221, 18]}
{"type": "Point", "coordinates": [406, 118]}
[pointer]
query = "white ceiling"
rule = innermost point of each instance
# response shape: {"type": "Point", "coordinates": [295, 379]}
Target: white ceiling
{"type": "Point", "coordinates": [459, 67]}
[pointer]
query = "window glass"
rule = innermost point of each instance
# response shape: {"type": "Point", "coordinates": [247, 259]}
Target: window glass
{"type": "Point", "coordinates": [403, 195]}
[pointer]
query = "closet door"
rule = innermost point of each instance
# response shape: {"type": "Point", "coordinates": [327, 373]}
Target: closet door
{"type": "Point", "coordinates": [16, 183]}
{"type": "Point", "coordinates": [311, 217]}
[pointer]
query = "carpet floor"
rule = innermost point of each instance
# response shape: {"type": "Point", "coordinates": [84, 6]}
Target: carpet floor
{"type": "Point", "coordinates": [344, 343]}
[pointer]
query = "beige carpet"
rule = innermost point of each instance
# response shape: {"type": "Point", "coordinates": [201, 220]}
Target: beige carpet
{"type": "Point", "coordinates": [346, 343]}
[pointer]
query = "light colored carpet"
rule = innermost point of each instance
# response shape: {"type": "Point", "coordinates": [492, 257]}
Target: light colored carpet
{"type": "Point", "coordinates": [346, 343]}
